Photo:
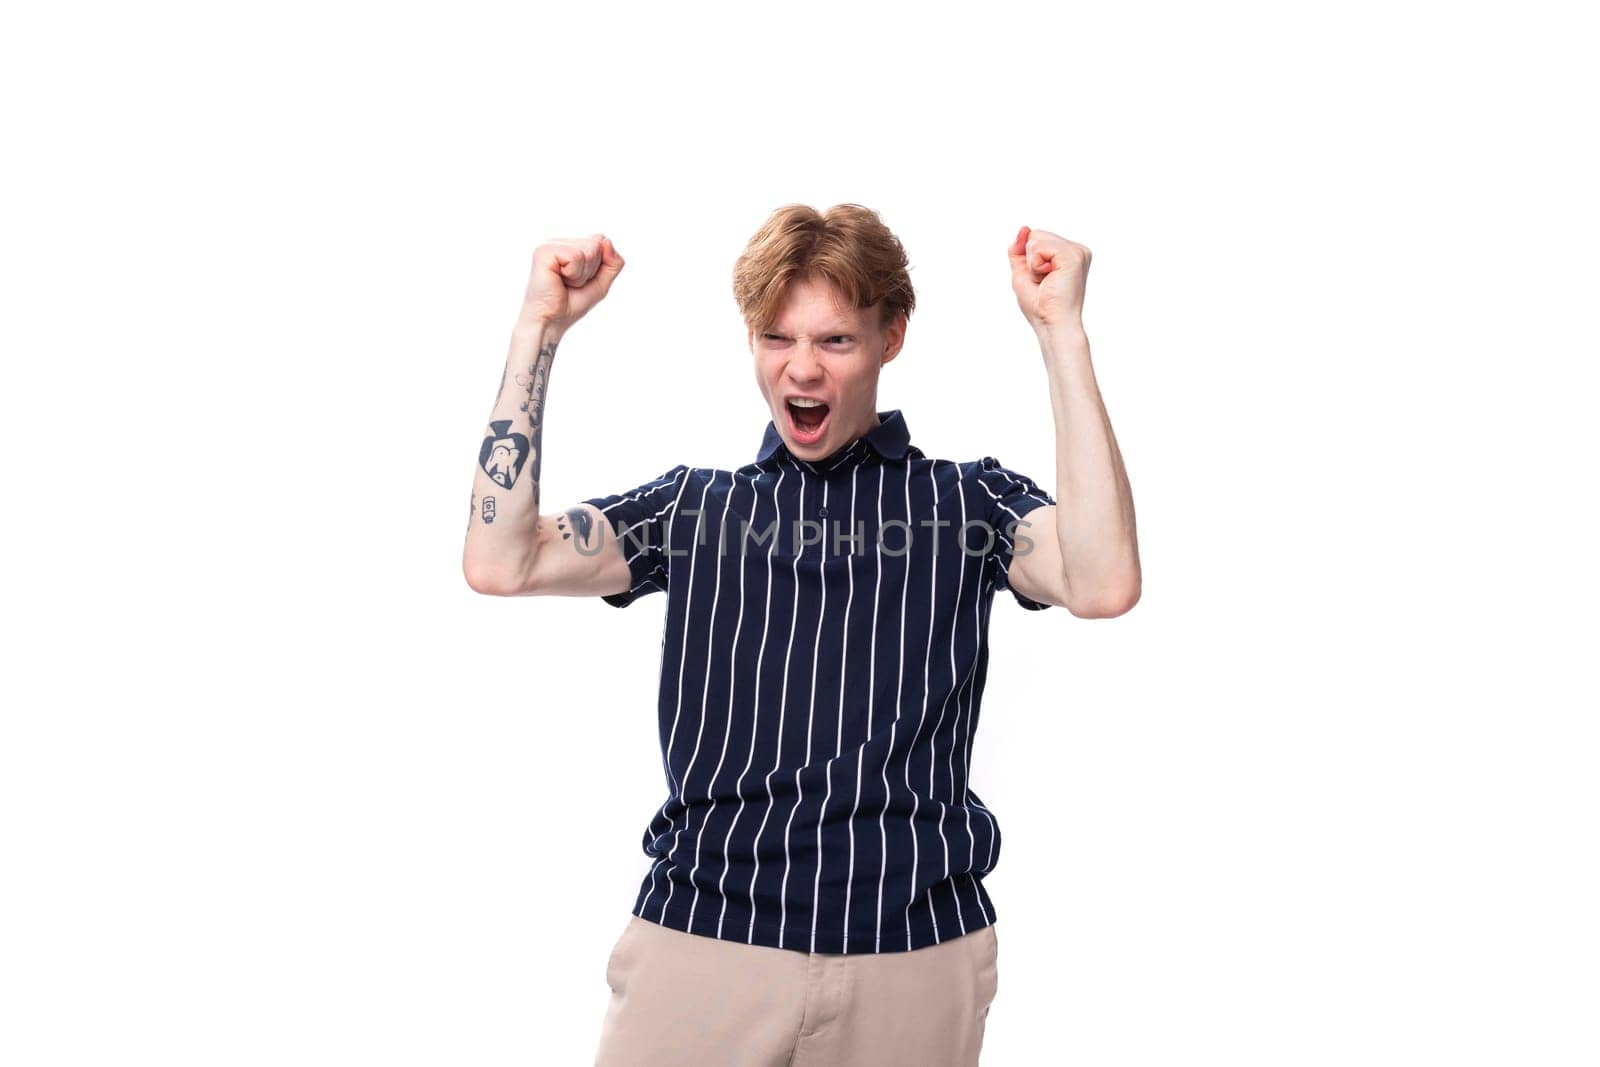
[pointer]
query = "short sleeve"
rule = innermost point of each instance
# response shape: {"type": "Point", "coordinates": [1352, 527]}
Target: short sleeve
{"type": "Point", "coordinates": [641, 521]}
{"type": "Point", "coordinates": [1008, 497]}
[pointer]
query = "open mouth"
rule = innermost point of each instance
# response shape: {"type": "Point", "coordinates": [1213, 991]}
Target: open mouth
{"type": "Point", "coordinates": [807, 420]}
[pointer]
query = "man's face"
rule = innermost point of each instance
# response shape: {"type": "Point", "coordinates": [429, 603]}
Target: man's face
{"type": "Point", "coordinates": [818, 349]}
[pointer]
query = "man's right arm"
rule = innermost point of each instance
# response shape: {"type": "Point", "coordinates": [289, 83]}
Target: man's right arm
{"type": "Point", "coordinates": [511, 549]}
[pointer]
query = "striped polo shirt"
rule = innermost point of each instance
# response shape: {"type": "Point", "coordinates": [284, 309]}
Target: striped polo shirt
{"type": "Point", "coordinates": [822, 666]}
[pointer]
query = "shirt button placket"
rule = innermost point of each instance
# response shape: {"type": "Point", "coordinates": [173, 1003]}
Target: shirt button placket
{"type": "Point", "coordinates": [819, 513]}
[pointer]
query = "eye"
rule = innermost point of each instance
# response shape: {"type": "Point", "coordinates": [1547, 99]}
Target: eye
{"type": "Point", "coordinates": [840, 338]}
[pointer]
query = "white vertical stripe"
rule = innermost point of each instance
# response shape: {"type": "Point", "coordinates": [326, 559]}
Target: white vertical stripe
{"type": "Point", "coordinates": [844, 661]}
{"type": "Point", "coordinates": [777, 758]}
{"type": "Point", "coordinates": [733, 683]}
{"type": "Point", "coordinates": [955, 694]}
{"type": "Point", "coordinates": [683, 655]}
{"type": "Point", "coordinates": [811, 719]}
{"type": "Point", "coordinates": [955, 732]}
{"type": "Point", "coordinates": [973, 697]}
{"type": "Point", "coordinates": [900, 682]}
{"type": "Point", "coordinates": [755, 726]}
{"type": "Point", "coordinates": [883, 833]}
{"type": "Point", "coordinates": [666, 763]}
{"type": "Point", "coordinates": [922, 718]}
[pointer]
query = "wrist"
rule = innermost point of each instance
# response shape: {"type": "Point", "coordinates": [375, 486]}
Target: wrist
{"type": "Point", "coordinates": [535, 331]}
{"type": "Point", "coordinates": [1063, 337]}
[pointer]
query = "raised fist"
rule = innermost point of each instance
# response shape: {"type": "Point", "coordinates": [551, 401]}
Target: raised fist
{"type": "Point", "coordinates": [570, 275]}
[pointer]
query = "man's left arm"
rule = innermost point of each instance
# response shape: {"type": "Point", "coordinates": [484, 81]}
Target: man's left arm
{"type": "Point", "coordinates": [1090, 565]}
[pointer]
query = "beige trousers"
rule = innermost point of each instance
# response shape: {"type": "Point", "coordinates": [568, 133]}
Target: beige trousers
{"type": "Point", "coordinates": [689, 1000]}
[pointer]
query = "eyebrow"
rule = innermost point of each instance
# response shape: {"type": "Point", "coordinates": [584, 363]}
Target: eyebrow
{"type": "Point", "coordinates": [826, 331]}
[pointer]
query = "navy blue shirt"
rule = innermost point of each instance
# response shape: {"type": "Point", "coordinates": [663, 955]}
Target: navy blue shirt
{"type": "Point", "coordinates": [822, 666]}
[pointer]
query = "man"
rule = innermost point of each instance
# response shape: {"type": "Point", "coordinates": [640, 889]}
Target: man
{"type": "Point", "coordinates": [815, 892]}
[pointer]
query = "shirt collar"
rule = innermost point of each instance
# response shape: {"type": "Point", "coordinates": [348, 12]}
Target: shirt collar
{"type": "Point", "coordinates": [890, 438]}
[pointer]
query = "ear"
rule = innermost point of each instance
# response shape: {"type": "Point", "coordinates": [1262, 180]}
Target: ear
{"type": "Point", "coordinates": [894, 337]}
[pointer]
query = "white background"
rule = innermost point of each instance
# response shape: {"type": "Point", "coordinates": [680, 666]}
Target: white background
{"type": "Point", "coordinates": [276, 787]}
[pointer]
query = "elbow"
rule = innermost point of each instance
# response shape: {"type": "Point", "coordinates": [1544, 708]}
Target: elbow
{"type": "Point", "coordinates": [492, 580]}
{"type": "Point", "coordinates": [1108, 600]}
{"type": "Point", "coordinates": [484, 580]}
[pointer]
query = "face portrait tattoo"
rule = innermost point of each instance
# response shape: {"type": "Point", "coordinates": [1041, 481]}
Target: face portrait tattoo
{"type": "Point", "coordinates": [503, 454]}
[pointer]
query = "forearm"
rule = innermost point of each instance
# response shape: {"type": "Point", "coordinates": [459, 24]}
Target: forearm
{"type": "Point", "coordinates": [1094, 501]}
{"type": "Point", "coordinates": [502, 530]}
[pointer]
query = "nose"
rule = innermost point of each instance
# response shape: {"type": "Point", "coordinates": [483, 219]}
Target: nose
{"type": "Point", "coordinates": [804, 365]}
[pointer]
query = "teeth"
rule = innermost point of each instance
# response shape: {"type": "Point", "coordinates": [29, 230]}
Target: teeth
{"type": "Point", "coordinates": [805, 402]}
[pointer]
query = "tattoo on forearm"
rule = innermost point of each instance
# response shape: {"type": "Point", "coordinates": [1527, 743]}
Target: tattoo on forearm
{"type": "Point", "coordinates": [506, 451]}
{"type": "Point", "coordinates": [533, 384]}
{"type": "Point", "coordinates": [578, 525]}
{"type": "Point", "coordinates": [536, 382]}
{"type": "Point", "coordinates": [503, 453]}
{"type": "Point", "coordinates": [488, 510]}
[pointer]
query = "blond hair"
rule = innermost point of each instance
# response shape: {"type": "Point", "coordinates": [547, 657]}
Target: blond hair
{"type": "Point", "coordinates": [847, 245]}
